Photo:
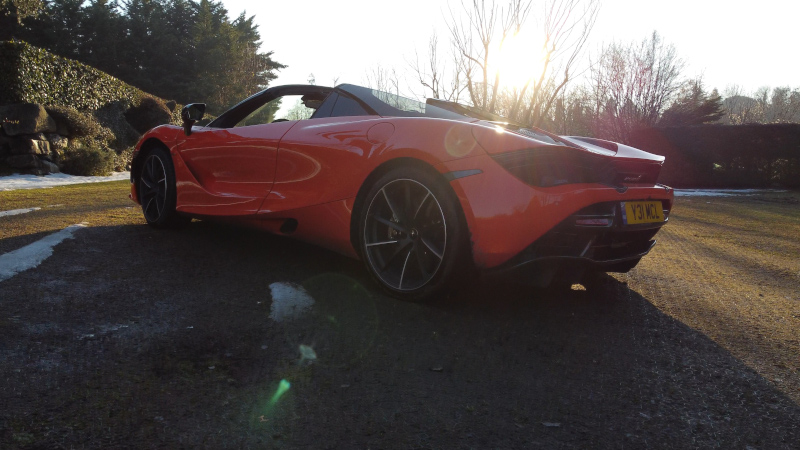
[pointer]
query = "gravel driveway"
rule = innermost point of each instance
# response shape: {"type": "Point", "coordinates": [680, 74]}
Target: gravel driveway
{"type": "Point", "coordinates": [131, 337]}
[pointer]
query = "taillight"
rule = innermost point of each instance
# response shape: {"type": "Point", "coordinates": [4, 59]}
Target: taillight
{"type": "Point", "coordinates": [553, 166]}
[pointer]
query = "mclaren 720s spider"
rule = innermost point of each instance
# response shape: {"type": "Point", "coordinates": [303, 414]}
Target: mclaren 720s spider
{"type": "Point", "coordinates": [422, 193]}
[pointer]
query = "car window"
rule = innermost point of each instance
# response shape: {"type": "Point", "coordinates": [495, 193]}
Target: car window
{"type": "Point", "coordinates": [327, 106]}
{"type": "Point", "coordinates": [284, 108]}
{"type": "Point", "coordinates": [346, 106]}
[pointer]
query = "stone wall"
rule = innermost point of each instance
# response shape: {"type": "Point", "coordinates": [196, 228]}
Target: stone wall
{"type": "Point", "coordinates": [29, 139]}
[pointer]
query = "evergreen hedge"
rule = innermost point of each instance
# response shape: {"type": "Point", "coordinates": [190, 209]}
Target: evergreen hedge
{"type": "Point", "coordinates": [754, 155]}
{"type": "Point", "coordinates": [33, 75]}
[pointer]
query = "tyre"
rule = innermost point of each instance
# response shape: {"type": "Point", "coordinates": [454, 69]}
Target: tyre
{"type": "Point", "coordinates": [412, 235]}
{"type": "Point", "coordinates": [157, 192]}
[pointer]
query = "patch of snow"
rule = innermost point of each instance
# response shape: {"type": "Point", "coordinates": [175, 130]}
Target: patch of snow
{"type": "Point", "coordinates": [32, 255]}
{"type": "Point", "coordinates": [289, 301]}
{"type": "Point", "coordinates": [16, 181]}
{"type": "Point", "coordinates": [722, 192]}
{"type": "Point", "coordinates": [14, 212]}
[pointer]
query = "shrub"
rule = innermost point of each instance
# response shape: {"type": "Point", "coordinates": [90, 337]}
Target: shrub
{"type": "Point", "coordinates": [73, 123]}
{"type": "Point", "coordinates": [150, 112]}
{"type": "Point", "coordinates": [112, 116]}
{"type": "Point", "coordinates": [122, 160]}
{"type": "Point", "coordinates": [87, 159]}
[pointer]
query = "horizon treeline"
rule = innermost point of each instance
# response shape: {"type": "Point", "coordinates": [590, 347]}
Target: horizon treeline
{"type": "Point", "coordinates": [181, 50]}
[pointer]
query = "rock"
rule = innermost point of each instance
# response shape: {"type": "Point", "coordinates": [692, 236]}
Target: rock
{"type": "Point", "coordinates": [58, 145]}
{"type": "Point", "coordinates": [29, 147]}
{"type": "Point", "coordinates": [25, 118]}
{"type": "Point", "coordinates": [34, 136]}
{"type": "Point", "coordinates": [48, 167]}
{"type": "Point", "coordinates": [32, 164]}
{"type": "Point", "coordinates": [23, 162]}
{"type": "Point", "coordinates": [5, 147]}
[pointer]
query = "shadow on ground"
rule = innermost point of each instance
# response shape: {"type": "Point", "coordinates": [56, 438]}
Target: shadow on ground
{"type": "Point", "coordinates": [129, 337]}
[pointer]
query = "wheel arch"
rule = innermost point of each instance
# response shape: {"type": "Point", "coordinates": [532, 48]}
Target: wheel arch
{"type": "Point", "coordinates": [147, 146]}
{"type": "Point", "coordinates": [381, 170]}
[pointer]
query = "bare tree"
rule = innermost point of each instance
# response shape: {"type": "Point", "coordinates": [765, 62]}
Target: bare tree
{"type": "Point", "coordinates": [473, 31]}
{"type": "Point", "coordinates": [481, 27]}
{"type": "Point", "coordinates": [740, 107]}
{"type": "Point", "coordinates": [765, 105]}
{"type": "Point", "coordinates": [633, 85]}
{"type": "Point", "coordinates": [435, 76]}
{"type": "Point", "coordinates": [383, 79]}
{"type": "Point", "coordinates": [784, 106]}
{"type": "Point", "coordinates": [567, 26]}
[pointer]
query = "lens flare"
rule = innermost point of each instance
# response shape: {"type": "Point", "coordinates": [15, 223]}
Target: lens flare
{"type": "Point", "coordinates": [459, 141]}
{"type": "Point", "coordinates": [283, 387]}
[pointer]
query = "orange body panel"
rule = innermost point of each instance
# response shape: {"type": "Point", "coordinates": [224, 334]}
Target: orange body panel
{"type": "Point", "coordinates": [325, 160]}
{"type": "Point", "coordinates": [505, 215]}
{"type": "Point", "coordinates": [312, 170]}
{"type": "Point", "coordinates": [227, 172]}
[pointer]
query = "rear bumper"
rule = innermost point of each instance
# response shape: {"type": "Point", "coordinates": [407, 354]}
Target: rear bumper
{"type": "Point", "coordinates": [515, 226]}
{"type": "Point", "coordinates": [569, 250]}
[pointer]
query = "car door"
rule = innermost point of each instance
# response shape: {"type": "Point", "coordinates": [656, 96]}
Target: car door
{"type": "Point", "coordinates": [319, 159]}
{"type": "Point", "coordinates": [233, 169]}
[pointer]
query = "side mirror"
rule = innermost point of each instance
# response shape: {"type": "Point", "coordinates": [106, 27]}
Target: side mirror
{"type": "Point", "coordinates": [190, 114]}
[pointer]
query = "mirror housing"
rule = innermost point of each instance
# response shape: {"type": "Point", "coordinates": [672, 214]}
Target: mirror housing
{"type": "Point", "coordinates": [190, 114]}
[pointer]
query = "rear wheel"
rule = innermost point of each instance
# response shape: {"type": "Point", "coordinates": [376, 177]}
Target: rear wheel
{"type": "Point", "coordinates": [157, 191]}
{"type": "Point", "coordinates": [412, 236]}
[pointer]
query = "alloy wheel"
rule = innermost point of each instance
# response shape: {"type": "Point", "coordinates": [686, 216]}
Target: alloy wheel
{"type": "Point", "coordinates": [153, 190]}
{"type": "Point", "coordinates": [405, 235]}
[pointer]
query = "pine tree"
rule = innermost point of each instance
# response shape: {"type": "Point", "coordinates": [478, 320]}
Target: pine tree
{"type": "Point", "coordinates": [693, 107]}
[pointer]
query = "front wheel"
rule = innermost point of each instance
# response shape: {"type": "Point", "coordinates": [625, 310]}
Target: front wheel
{"type": "Point", "coordinates": [412, 236]}
{"type": "Point", "coordinates": [157, 191]}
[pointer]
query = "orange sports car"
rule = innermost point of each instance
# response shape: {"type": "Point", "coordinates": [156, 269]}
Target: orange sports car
{"type": "Point", "coordinates": [421, 192]}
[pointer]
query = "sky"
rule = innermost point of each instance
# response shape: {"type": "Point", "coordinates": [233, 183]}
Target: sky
{"type": "Point", "coordinates": [731, 42]}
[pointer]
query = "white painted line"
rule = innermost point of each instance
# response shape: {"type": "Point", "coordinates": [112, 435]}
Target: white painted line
{"type": "Point", "coordinates": [289, 301]}
{"type": "Point", "coordinates": [32, 255]}
{"type": "Point", "coordinates": [14, 212]}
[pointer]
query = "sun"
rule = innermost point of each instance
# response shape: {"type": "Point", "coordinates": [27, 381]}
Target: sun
{"type": "Point", "coordinates": [519, 59]}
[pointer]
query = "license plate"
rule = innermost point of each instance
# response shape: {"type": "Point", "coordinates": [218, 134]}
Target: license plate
{"type": "Point", "coordinates": [642, 212]}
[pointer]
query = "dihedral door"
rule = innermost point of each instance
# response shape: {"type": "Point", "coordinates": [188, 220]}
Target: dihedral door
{"type": "Point", "coordinates": [234, 168]}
